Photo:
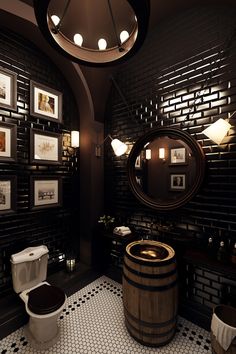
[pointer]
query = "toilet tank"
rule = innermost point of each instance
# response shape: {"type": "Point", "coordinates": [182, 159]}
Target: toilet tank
{"type": "Point", "coordinates": [29, 267]}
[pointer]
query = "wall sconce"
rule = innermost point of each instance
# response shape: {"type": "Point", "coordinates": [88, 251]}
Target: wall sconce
{"type": "Point", "coordinates": [148, 153]}
{"type": "Point", "coordinates": [217, 131]}
{"type": "Point", "coordinates": [162, 153]}
{"type": "Point", "coordinates": [74, 138]}
{"type": "Point", "coordinates": [74, 142]}
{"type": "Point", "coordinates": [118, 147]}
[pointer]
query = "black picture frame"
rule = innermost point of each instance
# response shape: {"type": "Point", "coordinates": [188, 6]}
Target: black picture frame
{"type": "Point", "coordinates": [8, 142]}
{"type": "Point", "coordinates": [178, 156]}
{"type": "Point", "coordinates": [45, 147]}
{"type": "Point", "coordinates": [7, 194]}
{"type": "Point", "coordinates": [177, 182]}
{"type": "Point", "coordinates": [138, 162]}
{"type": "Point", "coordinates": [45, 192]}
{"type": "Point", "coordinates": [45, 102]}
{"type": "Point", "coordinates": [8, 89]}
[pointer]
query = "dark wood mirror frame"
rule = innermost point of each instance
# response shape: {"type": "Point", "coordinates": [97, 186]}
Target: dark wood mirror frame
{"type": "Point", "coordinates": [197, 152]}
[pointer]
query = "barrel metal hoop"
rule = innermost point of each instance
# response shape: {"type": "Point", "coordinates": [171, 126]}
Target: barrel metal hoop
{"type": "Point", "coordinates": [150, 276]}
{"type": "Point", "coordinates": [155, 335]}
{"type": "Point", "coordinates": [148, 287]}
{"type": "Point", "coordinates": [152, 263]}
{"type": "Point", "coordinates": [149, 324]}
{"type": "Point", "coordinates": [150, 344]}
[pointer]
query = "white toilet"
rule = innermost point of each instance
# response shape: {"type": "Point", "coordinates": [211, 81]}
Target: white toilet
{"type": "Point", "coordinates": [43, 302]}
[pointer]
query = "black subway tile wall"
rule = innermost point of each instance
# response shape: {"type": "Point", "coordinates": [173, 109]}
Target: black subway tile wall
{"type": "Point", "coordinates": [25, 227]}
{"type": "Point", "coordinates": [184, 76]}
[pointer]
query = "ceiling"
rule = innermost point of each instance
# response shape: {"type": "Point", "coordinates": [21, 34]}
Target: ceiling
{"type": "Point", "coordinates": [99, 79]}
{"type": "Point", "coordinates": [161, 9]}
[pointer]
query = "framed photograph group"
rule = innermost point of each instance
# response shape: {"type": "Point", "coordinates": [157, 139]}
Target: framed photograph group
{"type": "Point", "coordinates": [45, 147]}
{"type": "Point", "coordinates": [8, 89]}
{"type": "Point", "coordinates": [7, 142]}
{"type": "Point", "coordinates": [46, 192]}
{"type": "Point", "coordinates": [7, 194]}
{"type": "Point", "coordinates": [45, 102]}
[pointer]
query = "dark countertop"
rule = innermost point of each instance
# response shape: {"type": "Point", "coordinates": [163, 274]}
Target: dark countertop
{"type": "Point", "coordinates": [201, 258]}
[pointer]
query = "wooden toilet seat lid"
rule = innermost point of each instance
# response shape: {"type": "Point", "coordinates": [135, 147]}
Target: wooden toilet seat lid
{"type": "Point", "coordinates": [45, 299]}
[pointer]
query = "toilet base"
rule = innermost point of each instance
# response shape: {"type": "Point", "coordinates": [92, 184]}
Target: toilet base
{"type": "Point", "coordinates": [40, 345]}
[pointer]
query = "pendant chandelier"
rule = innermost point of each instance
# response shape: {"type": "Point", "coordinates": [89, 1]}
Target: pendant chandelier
{"type": "Point", "coordinates": [94, 33]}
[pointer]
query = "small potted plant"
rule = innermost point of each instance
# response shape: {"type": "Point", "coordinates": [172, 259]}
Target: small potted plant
{"type": "Point", "coordinates": [107, 221]}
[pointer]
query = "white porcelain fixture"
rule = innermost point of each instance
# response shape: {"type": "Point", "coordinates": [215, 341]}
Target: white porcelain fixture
{"type": "Point", "coordinates": [43, 302]}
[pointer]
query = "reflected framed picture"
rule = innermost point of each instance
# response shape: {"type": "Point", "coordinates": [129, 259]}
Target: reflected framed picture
{"type": "Point", "coordinates": [8, 142]}
{"type": "Point", "coordinates": [45, 102]}
{"type": "Point", "coordinates": [139, 180]}
{"type": "Point", "coordinates": [178, 182]}
{"type": "Point", "coordinates": [7, 194]}
{"type": "Point", "coordinates": [138, 162]}
{"type": "Point", "coordinates": [45, 192]}
{"type": "Point", "coordinates": [45, 148]}
{"type": "Point", "coordinates": [8, 89]}
{"type": "Point", "coordinates": [177, 156]}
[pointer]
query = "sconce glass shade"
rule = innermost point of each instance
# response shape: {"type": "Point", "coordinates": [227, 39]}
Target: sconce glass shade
{"type": "Point", "coordinates": [161, 153]}
{"type": "Point", "coordinates": [74, 138]}
{"type": "Point", "coordinates": [217, 131]}
{"type": "Point", "coordinates": [148, 154]}
{"type": "Point", "coordinates": [93, 20]}
{"type": "Point", "coordinates": [119, 147]}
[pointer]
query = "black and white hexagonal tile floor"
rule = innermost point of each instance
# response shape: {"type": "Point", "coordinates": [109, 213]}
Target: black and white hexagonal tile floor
{"type": "Point", "coordinates": [93, 323]}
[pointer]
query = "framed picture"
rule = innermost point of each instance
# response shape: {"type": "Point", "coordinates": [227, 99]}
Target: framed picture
{"type": "Point", "coordinates": [138, 162]}
{"type": "Point", "coordinates": [45, 102]}
{"type": "Point", "coordinates": [178, 156]}
{"type": "Point", "coordinates": [177, 182]}
{"type": "Point", "coordinates": [139, 180]}
{"type": "Point", "coordinates": [8, 142]}
{"type": "Point", "coordinates": [45, 148]}
{"type": "Point", "coordinates": [45, 192]}
{"type": "Point", "coordinates": [8, 89]}
{"type": "Point", "coordinates": [7, 194]}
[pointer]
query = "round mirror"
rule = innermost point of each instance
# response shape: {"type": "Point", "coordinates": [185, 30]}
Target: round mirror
{"type": "Point", "coordinates": [165, 168]}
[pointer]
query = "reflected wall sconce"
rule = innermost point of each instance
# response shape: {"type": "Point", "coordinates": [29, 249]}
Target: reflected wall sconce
{"type": "Point", "coordinates": [148, 153]}
{"type": "Point", "coordinates": [118, 147]}
{"type": "Point", "coordinates": [217, 131]}
{"type": "Point", "coordinates": [162, 153]}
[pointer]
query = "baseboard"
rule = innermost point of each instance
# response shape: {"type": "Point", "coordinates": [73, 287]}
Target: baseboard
{"type": "Point", "coordinates": [196, 313]}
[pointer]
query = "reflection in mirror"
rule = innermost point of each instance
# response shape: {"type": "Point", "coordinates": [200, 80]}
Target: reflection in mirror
{"type": "Point", "coordinates": [165, 168]}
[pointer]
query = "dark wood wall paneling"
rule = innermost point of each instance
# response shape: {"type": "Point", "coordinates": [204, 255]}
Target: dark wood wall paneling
{"type": "Point", "coordinates": [182, 61]}
{"type": "Point", "coordinates": [53, 226]}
